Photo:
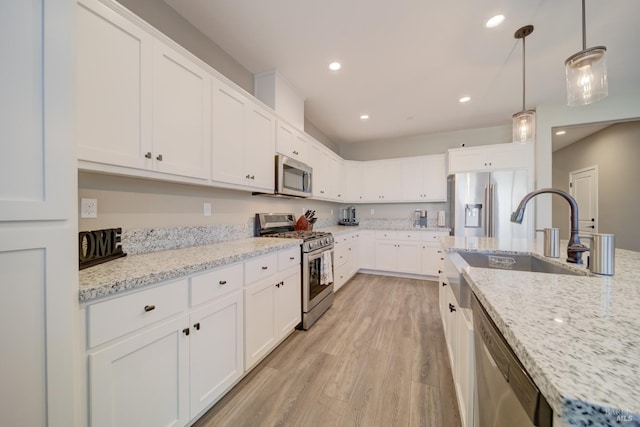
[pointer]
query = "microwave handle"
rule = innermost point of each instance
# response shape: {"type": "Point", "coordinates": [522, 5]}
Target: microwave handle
{"type": "Point", "coordinates": [306, 182]}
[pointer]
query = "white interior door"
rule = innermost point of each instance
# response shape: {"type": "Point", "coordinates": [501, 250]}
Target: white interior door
{"type": "Point", "coordinates": [583, 186]}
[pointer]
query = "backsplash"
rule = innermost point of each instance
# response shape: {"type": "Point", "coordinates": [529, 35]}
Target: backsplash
{"type": "Point", "coordinates": [393, 223]}
{"type": "Point", "coordinates": [145, 240]}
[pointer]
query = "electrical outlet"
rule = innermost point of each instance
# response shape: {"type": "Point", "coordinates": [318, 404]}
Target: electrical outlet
{"type": "Point", "coordinates": [88, 208]}
{"type": "Point", "coordinates": [372, 212]}
{"type": "Point", "coordinates": [207, 209]}
{"type": "Point", "coordinates": [331, 212]}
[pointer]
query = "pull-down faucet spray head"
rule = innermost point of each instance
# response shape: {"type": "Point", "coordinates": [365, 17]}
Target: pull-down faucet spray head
{"type": "Point", "coordinates": [574, 248]}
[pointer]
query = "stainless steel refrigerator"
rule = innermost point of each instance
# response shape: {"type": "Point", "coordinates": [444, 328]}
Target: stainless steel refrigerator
{"type": "Point", "coordinates": [481, 203]}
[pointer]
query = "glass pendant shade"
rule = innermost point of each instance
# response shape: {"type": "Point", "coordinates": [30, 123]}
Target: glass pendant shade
{"type": "Point", "coordinates": [524, 126]}
{"type": "Point", "coordinates": [587, 76]}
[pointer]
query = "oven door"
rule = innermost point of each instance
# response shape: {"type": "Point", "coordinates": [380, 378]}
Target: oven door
{"type": "Point", "coordinates": [313, 291]}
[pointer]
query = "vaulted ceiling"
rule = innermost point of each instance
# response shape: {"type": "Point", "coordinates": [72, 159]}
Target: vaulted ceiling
{"type": "Point", "coordinates": [406, 63]}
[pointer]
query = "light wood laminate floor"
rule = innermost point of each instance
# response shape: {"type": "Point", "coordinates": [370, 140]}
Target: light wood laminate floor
{"type": "Point", "coordinates": [376, 358]}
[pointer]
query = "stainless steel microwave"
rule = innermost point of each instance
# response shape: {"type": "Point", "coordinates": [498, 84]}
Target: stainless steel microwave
{"type": "Point", "coordinates": [293, 178]}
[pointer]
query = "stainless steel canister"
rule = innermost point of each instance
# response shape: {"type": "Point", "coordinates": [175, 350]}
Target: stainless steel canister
{"type": "Point", "coordinates": [552, 242]}
{"type": "Point", "coordinates": [602, 256]}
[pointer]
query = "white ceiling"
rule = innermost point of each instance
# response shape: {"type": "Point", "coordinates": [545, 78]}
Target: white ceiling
{"type": "Point", "coordinates": [407, 62]}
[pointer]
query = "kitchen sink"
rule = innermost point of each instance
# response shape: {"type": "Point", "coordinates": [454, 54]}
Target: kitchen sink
{"type": "Point", "coordinates": [517, 263]}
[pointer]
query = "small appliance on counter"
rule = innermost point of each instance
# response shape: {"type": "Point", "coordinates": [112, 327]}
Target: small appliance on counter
{"type": "Point", "coordinates": [348, 216]}
{"type": "Point", "coordinates": [420, 218]}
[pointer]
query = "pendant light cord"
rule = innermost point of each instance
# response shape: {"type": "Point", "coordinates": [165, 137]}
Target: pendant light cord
{"type": "Point", "coordinates": [584, 27]}
{"type": "Point", "coordinates": [524, 72]}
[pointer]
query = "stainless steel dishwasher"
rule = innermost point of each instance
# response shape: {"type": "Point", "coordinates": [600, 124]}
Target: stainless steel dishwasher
{"type": "Point", "coordinates": [506, 394]}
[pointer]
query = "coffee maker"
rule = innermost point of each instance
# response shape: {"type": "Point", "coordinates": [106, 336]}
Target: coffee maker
{"type": "Point", "coordinates": [348, 216]}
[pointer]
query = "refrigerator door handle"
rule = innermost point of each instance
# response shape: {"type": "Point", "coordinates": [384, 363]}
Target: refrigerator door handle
{"type": "Point", "coordinates": [489, 229]}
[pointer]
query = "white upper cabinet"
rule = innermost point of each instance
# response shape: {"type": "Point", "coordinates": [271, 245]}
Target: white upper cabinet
{"type": "Point", "coordinates": [354, 184]}
{"type": "Point", "coordinates": [491, 157]}
{"type": "Point", "coordinates": [338, 177]}
{"type": "Point", "coordinates": [243, 140]}
{"type": "Point", "coordinates": [291, 142]}
{"type": "Point", "coordinates": [181, 115]}
{"type": "Point", "coordinates": [113, 87]}
{"type": "Point", "coordinates": [382, 181]}
{"type": "Point", "coordinates": [424, 179]}
{"type": "Point", "coordinates": [320, 161]}
{"type": "Point", "coordinates": [139, 103]}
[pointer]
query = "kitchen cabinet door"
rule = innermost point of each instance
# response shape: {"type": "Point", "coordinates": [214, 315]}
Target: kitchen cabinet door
{"type": "Point", "coordinates": [450, 318]}
{"type": "Point", "coordinates": [354, 182]}
{"type": "Point", "coordinates": [321, 164]}
{"type": "Point", "coordinates": [289, 302]}
{"type": "Point", "coordinates": [385, 255]}
{"type": "Point", "coordinates": [424, 179]}
{"type": "Point", "coordinates": [259, 148]}
{"type": "Point", "coordinates": [260, 321]}
{"type": "Point", "coordinates": [227, 149]}
{"type": "Point", "coordinates": [464, 376]}
{"type": "Point", "coordinates": [367, 250]}
{"type": "Point", "coordinates": [216, 349]}
{"type": "Point", "coordinates": [430, 260]}
{"type": "Point", "coordinates": [291, 142]}
{"type": "Point", "coordinates": [113, 87]}
{"type": "Point", "coordinates": [491, 157]}
{"type": "Point", "coordinates": [382, 181]}
{"type": "Point", "coordinates": [337, 176]}
{"type": "Point", "coordinates": [181, 115]}
{"type": "Point", "coordinates": [408, 257]}
{"type": "Point", "coordinates": [142, 380]}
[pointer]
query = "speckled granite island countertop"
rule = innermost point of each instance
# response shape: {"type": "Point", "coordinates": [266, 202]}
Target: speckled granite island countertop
{"type": "Point", "coordinates": [577, 336]}
{"type": "Point", "coordinates": [136, 271]}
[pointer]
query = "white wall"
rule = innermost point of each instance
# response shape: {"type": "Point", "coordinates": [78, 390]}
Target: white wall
{"type": "Point", "coordinates": [425, 144]}
{"type": "Point", "coordinates": [550, 116]}
{"type": "Point", "coordinates": [174, 26]}
{"type": "Point", "coordinates": [615, 151]}
{"type": "Point", "coordinates": [138, 203]}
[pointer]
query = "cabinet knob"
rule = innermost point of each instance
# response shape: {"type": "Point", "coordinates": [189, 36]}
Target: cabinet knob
{"type": "Point", "coordinates": [149, 307]}
{"type": "Point", "coordinates": [295, 152]}
{"type": "Point", "coordinates": [439, 271]}
{"type": "Point", "coordinates": [253, 177]}
{"type": "Point", "coordinates": [452, 308]}
{"type": "Point", "coordinates": [197, 326]}
{"type": "Point", "coordinates": [248, 176]}
{"type": "Point", "coordinates": [264, 267]}
{"type": "Point", "coordinates": [222, 282]}
{"type": "Point", "coordinates": [292, 258]}
{"type": "Point", "coordinates": [444, 283]}
{"type": "Point", "coordinates": [148, 155]}
{"type": "Point", "coordinates": [159, 157]}
{"type": "Point", "coordinates": [186, 331]}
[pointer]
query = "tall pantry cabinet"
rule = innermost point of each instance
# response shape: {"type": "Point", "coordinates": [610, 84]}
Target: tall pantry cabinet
{"type": "Point", "coordinates": [38, 270]}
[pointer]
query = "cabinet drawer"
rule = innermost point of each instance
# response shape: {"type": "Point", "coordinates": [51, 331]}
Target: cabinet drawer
{"type": "Point", "coordinates": [288, 258]}
{"type": "Point", "coordinates": [119, 316]}
{"type": "Point", "coordinates": [433, 237]}
{"type": "Point", "coordinates": [409, 235]}
{"type": "Point", "coordinates": [386, 235]}
{"type": "Point", "coordinates": [260, 267]}
{"type": "Point", "coordinates": [341, 254]}
{"type": "Point", "coordinates": [212, 284]}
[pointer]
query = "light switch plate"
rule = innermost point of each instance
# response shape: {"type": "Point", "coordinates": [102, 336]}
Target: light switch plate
{"type": "Point", "coordinates": [207, 209]}
{"type": "Point", "coordinates": [88, 208]}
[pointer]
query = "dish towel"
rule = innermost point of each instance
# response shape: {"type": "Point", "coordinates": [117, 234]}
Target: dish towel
{"type": "Point", "coordinates": [326, 269]}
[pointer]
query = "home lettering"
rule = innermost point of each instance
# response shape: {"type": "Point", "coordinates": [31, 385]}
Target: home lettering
{"type": "Point", "coordinates": [98, 246]}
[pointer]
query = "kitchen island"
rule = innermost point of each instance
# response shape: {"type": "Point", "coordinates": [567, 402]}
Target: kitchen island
{"type": "Point", "coordinates": [577, 336]}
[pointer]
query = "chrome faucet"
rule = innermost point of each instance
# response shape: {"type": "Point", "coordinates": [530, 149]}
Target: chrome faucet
{"type": "Point", "coordinates": [574, 248]}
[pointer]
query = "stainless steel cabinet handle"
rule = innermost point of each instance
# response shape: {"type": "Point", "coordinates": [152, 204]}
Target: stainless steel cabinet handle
{"type": "Point", "coordinates": [452, 308]}
{"type": "Point", "coordinates": [148, 155]}
{"type": "Point", "coordinates": [264, 267]}
{"type": "Point", "coordinates": [292, 258]}
{"type": "Point", "coordinates": [222, 282]}
{"type": "Point", "coordinates": [295, 152]}
{"type": "Point", "coordinates": [186, 331]}
{"type": "Point", "coordinates": [253, 177]}
{"type": "Point", "coordinates": [248, 176]}
{"type": "Point", "coordinates": [197, 326]}
{"type": "Point", "coordinates": [149, 307]}
{"type": "Point", "coordinates": [159, 158]}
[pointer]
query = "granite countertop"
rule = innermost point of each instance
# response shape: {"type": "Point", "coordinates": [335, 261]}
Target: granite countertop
{"type": "Point", "coordinates": [343, 229]}
{"type": "Point", "coordinates": [135, 271]}
{"type": "Point", "coordinates": [577, 336]}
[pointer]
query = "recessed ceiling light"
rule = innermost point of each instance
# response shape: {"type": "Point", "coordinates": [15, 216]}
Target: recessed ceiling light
{"type": "Point", "coordinates": [464, 99]}
{"type": "Point", "coordinates": [364, 117]}
{"type": "Point", "coordinates": [335, 66]}
{"type": "Point", "coordinates": [495, 21]}
{"type": "Point", "coordinates": [561, 132]}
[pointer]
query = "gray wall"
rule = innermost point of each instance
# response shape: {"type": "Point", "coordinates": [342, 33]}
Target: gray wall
{"type": "Point", "coordinates": [425, 144]}
{"type": "Point", "coordinates": [616, 152]}
{"type": "Point", "coordinates": [174, 26]}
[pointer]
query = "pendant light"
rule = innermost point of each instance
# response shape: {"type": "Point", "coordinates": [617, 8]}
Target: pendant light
{"type": "Point", "coordinates": [524, 122]}
{"type": "Point", "coordinates": [586, 72]}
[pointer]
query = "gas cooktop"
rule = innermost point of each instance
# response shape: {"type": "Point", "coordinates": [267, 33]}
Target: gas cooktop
{"type": "Point", "coordinates": [283, 226]}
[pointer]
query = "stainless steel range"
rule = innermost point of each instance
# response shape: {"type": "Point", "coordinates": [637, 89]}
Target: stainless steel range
{"type": "Point", "coordinates": [317, 262]}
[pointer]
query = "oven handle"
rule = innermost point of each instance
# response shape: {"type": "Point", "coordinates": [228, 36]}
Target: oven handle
{"type": "Point", "coordinates": [317, 252]}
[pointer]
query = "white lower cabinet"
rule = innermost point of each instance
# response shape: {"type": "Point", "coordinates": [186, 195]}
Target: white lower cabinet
{"type": "Point", "coordinates": [216, 349]}
{"type": "Point", "coordinates": [409, 252]}
{"type": "Point", "coordinates": [272, 311]}
{"type": "Point", "coordinates": [458, 331]}
{"type": "Point", "coordinates": [142, 380]}
{"type": "Point", "coordinates": [345, 258]}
